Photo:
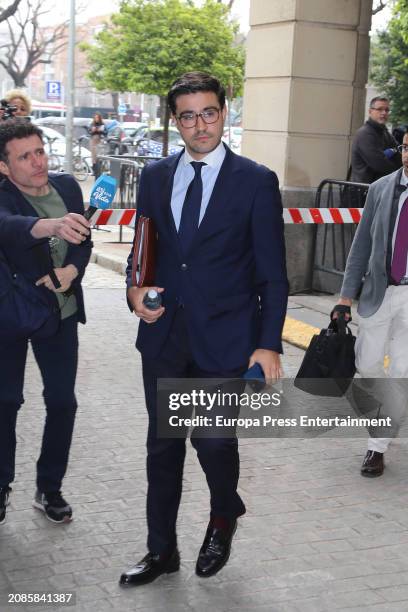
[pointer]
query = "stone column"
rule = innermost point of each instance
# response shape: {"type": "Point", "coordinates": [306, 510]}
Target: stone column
{"type": "Point", "coordinates": [306, 70]}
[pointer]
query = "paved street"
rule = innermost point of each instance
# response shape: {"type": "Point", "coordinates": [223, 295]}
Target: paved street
{"type": "Point", "coordinates": [316, 538]}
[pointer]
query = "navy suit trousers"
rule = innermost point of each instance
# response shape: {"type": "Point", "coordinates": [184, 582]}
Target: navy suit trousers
{"type": "Point", "coordinates": [218, 457]}
{"type": "Point", "coordinates": [57, 358]}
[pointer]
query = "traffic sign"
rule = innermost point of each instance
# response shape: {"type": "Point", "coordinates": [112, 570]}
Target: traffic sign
{"type": "Point", "coordinates": [53, 90]}
{"type": "Point", "coordinates": [122, 109]}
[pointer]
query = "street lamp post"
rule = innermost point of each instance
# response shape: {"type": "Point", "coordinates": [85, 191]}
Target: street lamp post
{"type": "Point", "coordinates": [70, 90]}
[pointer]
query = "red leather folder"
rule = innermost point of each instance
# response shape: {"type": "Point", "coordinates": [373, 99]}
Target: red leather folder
{"type": "Point", "coordinates": [144, 253]}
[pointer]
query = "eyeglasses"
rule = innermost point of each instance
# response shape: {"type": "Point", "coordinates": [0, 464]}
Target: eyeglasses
{"type": "Point", "coordinates": [403, 148]}
{"type": "Point", "coordinates": [381, 109]}
{"type": "Point", "coordinates": [189, 119]}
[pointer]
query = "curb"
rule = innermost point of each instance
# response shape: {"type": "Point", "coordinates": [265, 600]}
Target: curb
{"type": "Point", "coordinates": [298, 333]}
{"type": "Point", "coordinates": [111, 262]}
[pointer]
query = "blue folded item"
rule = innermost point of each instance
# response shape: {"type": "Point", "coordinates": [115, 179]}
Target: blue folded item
{"type": "Point", "coordinates": [255, 377]}
{"type": "Point", "coordinates": [389, 153]}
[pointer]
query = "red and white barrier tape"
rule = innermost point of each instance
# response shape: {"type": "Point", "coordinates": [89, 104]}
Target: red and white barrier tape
{"type": "Point", "coordinates": [296, 216]}
{"type": "Point", "coordinates": [114, 216]}
{"type": "Point", "coordinates": [322, 215]}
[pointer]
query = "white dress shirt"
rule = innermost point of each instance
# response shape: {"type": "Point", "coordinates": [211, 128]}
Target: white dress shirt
{"type": "Point", "coordinates": [184, 175]}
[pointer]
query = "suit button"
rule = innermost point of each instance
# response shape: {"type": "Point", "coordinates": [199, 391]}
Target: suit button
{"type": "Point", "coordinates": [184, 267]}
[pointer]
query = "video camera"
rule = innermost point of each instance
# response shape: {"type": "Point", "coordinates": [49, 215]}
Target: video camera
{"type": "Point", "coordinates": [8, 110]}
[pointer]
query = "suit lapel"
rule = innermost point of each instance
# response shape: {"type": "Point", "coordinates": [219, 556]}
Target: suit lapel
{"type": "Point", "coordinates": [387, 198]}
{"type": "Point", "coordinates": [25, 206]}
{"type": "Point", "coordinates": [221, 193]}
{"type": "Point", "coordinates": [165, 203]}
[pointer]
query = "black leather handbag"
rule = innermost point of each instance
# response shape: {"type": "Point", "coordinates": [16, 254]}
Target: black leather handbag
{"type": "Point", "coordinates": [328, 366]}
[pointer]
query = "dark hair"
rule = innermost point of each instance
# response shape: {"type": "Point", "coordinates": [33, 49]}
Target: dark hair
{"type": "Point", "coordinates": [192, 82]}
{"type": "Point", "coordinates": [16, 128]}
{"type": "Point", "coordinates": [378, 99]}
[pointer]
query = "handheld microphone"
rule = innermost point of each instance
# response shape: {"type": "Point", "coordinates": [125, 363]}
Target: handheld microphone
{"type": "Point", "coordinates": [102, 195]}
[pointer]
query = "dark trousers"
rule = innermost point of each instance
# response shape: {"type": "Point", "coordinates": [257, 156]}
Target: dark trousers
{"type": "Point", "coordinates": [57, 358]}
{"type": "Point", "coordinates": [218, 457]}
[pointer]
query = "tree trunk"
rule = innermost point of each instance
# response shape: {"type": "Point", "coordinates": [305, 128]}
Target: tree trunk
{"type": "Point", "coordinates": [19, 81]}
{"type": "Point", "coordinates": [165, 115]}
{"type": "Point", "coordinates": [115, 101]}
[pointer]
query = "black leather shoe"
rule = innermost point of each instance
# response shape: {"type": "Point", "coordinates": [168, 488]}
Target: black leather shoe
{"type": "Point", "coordinates": [216, 548]}
{"type": "Point", "coordinates": [150, 568]}
{"type": "Point", "coordinates": [373, 464]}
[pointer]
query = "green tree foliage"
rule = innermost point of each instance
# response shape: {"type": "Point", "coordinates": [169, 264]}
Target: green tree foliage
{"type": "Point", "coordinates": [149, 43]}
{"type": "Point", "coordinates": [389, 62]}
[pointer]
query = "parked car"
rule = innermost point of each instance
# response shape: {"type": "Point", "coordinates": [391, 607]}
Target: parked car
{"type": "Point", "coordinates": [116, 139]}
{"type": "Point", "coordinates": [132, 129]}
{"type": "Point", "coordinates": [156, 134]}
{"type": "Point", "coordinates": [150, 141]}
{"type": "Point", "coordinates": [81, 126]}
{"type": "Point", "coordinates": [152, 148]}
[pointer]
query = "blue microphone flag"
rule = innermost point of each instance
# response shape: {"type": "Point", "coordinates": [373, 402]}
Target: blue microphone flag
{"type": "Point", "coordinates": [102, 194]}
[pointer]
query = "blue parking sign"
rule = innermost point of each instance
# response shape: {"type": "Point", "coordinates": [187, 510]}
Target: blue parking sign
{"type": "Point", "coordinates": [53, 91]}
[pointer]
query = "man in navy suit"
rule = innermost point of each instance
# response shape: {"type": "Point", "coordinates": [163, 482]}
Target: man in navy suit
{"type": "Point", "coordinates": [42, 229]}
{"type": "Point", "coordinates": [223, 278]}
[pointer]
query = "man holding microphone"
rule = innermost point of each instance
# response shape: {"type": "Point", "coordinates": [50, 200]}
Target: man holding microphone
{"type": "Point", "coordinates": [45, 238]}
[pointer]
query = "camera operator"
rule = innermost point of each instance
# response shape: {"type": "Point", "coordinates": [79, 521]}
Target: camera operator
{"type": "Point", "coordinates": [15, 104]}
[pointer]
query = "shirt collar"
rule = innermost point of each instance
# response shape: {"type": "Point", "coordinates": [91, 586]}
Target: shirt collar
{"type": "Point", "coordinates": [213, 159]}
{"type": "Point", "coordinates": [378, 126]}
{"type": "Point", "coordinates": [404, 179]}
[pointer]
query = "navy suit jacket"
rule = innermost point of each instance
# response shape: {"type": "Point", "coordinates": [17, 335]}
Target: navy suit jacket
{"type": "Point", "coordinates": [233, 281]}
{"type": "Point", "coordinates": [17, 217]}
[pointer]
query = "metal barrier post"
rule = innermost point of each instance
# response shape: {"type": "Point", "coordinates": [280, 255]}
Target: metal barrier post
{"type": "Point", "coordinates": [127, 170]}
{"type": "Point", "coordinates": [332, 242]}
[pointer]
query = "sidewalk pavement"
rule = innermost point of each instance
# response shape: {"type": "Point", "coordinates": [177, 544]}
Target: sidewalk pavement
{"type": "Point", "coordinates": [317, 537]}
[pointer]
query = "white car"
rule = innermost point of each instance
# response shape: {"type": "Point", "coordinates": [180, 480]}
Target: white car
{"type": "Point", "coordinates": [132, 127]}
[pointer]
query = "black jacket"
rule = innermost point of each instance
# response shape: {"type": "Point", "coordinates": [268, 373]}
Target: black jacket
{"type": "Point", "coordinates": [368, 162]}
{"type": "Point", "coordinates": [17, 217]}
